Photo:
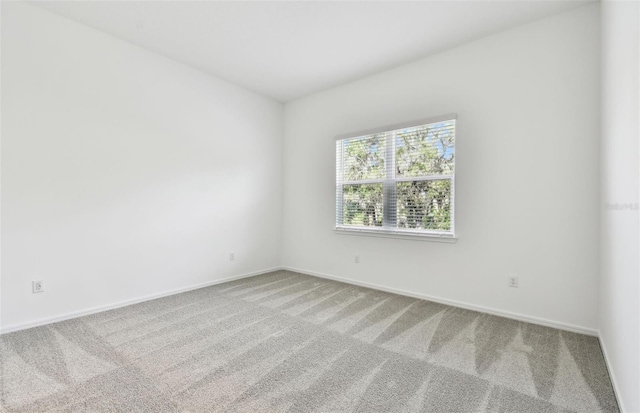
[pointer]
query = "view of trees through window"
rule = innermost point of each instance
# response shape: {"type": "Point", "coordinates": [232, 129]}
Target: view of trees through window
{"type": "Point", "coordinates": [399, 179]}
{"type": "Point", "coordinates": [363, 205]}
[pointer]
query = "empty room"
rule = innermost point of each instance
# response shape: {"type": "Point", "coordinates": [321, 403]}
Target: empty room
{"type": "Point", "coordinates": [320, 206]}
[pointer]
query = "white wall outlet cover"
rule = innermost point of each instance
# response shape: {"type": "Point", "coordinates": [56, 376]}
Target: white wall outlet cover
{"type": "Point", "coordinates": [38, 286]}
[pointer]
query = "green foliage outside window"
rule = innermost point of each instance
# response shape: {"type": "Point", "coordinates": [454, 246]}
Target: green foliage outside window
{"type": "Point", "coordinates": [425, 153]}
{"type": "Point", "coordinates": [362, 205]}
{"type": "Point", "coordinates": [424, 205]}
{"type": "Point", "coordinates": [364, 158]}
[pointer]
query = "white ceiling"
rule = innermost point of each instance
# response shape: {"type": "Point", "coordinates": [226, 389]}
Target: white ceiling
{"type": "Point", "coordinates": [290, 49]}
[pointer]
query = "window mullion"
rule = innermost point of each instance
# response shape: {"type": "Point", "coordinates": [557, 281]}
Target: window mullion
{"type": "Point", "coordinates": [389, 203]}
{"type": "Point", "coordinates": [339, 182]}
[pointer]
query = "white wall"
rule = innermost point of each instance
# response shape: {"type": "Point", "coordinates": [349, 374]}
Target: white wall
{"type": "Point", "coordinates": [527, 172]}
{"type": "Point", "coordinates": [124, 173]}
{"type": "Point", "coordinates": [619, 286]}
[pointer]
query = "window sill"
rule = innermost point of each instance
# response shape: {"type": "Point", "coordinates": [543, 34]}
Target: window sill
{"type": "Point", "coordinates": [446, 238]}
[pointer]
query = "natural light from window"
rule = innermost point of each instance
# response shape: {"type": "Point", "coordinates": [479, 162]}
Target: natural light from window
{"type": "Point", "coordinates": [399, 181]}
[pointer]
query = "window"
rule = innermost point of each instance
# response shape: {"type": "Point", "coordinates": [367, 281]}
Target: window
{"type": "Point", "coordinates": [398, 181]}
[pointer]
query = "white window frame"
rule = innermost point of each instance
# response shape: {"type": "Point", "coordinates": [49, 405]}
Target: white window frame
{"type": "Point", "coordinates": [389, 186]}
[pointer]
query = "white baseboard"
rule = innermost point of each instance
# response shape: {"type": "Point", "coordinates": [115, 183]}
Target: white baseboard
{"type": "Point", "coordinates": [93, 310]}
{"type": "Point", "coordinates": [612, 376]}
{"type": "Point", "coordinates": [501, 313]}
{"type": "Point", "coordinates": [454, 303]}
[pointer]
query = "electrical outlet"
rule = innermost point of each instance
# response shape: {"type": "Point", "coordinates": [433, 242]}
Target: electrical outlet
{"type": "Point", "coordinates": [513, 281]}
{"type": "Point", "coordinates": [38, 286]}
{"type": "Point", "coordinates": [357, 259]}
{"type": "Point", "coordinates": [232, 256]}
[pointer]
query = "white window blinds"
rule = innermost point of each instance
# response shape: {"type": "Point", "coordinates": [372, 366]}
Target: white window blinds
{"type": "Point", "coordinates": [398, 181]}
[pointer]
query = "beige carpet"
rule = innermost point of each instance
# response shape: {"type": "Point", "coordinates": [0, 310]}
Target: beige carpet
{"type": "Point", "coordinates": [290, 342]}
